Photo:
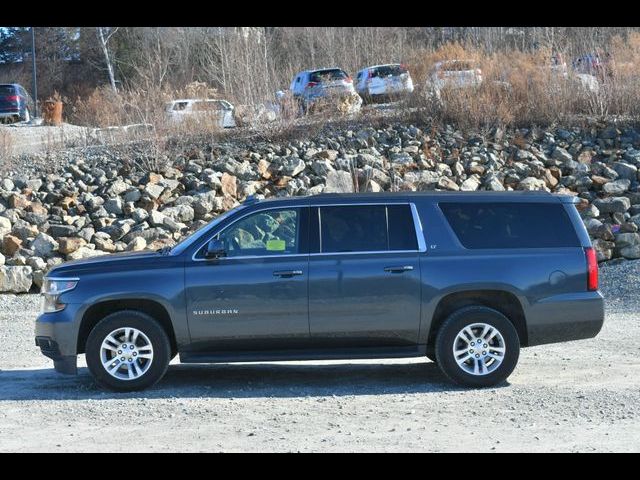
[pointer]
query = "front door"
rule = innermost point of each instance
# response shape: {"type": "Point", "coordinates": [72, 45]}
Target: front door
{"type": "Point", "coordinates": [255, 297]}
{"type": "Point", "coordinates": [364, 279]}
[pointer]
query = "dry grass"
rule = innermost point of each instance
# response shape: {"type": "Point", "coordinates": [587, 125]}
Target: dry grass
{"type": "Point", "coordinates": [519, 88]}
{"type": "Point", "coordinates": [6, 144]}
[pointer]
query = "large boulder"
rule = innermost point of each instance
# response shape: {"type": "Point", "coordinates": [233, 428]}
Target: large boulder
{"type": "Point", "coordinates": [339, 181]}
{"type": "Point", "coordinates": [612, 204]}
{"type": "Point", "coordinates": [16, 279]}
{"type": "Point", "coordinates": [44, 245]}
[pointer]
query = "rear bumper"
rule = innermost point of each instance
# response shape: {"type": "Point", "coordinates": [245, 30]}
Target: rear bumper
{"type": "Point", "coordinates": [566, 317]}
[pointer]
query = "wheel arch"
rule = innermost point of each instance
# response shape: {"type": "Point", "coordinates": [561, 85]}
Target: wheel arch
{"type": "Point", "coordinates": [503, 301]}
{"type": "Point", "coordinates": [100, 310]}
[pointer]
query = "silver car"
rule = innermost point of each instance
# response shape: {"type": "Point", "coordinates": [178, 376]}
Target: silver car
{"type": "Point", "coordinates": [311, 86]}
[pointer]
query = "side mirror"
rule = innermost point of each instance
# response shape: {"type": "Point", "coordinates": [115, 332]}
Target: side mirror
{"type": "Point", "coordinates": [215, 249]}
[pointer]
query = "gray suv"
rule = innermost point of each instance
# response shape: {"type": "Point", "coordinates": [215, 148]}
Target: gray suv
{"type": "Point", "coordinates": [465, 279]}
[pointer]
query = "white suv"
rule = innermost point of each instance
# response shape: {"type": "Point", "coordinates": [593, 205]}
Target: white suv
{"type": "Point", "coordinates": [384, 82]}
{"type": "Point", "coordinates": [455, 74]}
{"type": "Point", "coordinates": [219, 111]}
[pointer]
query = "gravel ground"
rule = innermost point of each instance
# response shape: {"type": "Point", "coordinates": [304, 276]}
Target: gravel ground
{"type": "Point", "coordinates": [578, 396]}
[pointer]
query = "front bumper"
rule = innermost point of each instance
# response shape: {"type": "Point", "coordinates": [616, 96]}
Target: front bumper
{"type": "Point", "coordinates": [566, 317]}
{"type": "Point", "coordinates": [57, 336]}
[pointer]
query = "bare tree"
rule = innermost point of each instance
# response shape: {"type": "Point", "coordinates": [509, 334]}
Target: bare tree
{"type": "Point", "coordinates": [104, 35]}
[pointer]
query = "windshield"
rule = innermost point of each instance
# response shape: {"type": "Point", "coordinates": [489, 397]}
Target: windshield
{"type": "Point", "coordinates": [188, 241]}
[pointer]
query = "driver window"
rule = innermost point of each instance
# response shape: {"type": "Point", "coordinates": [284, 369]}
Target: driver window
{"type": "Point", "coordinates": [271, 232]}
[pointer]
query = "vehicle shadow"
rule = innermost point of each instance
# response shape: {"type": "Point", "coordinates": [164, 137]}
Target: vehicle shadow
{"type": "Point", "coordinates": [238, 381]}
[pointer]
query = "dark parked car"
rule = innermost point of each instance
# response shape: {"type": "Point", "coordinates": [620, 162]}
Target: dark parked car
{"type": "Point", "coordinates": [15, 103]}
{"type": "Point", "coordinates": [465, 279]}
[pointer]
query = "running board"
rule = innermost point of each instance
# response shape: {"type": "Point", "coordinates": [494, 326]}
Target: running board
{"type": "Point", "coordinates": [306, 354]}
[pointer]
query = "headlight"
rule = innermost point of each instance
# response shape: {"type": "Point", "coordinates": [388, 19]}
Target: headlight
{"type": "Point", "coordinates": [52, 288]}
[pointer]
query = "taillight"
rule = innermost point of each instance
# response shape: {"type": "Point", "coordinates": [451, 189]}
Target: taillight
{"type": "Point", "coordinates": [348, 80]}
{"type": "Point", "coordinates": [370, 74]}
{"type": "Point", "coordinates": [592, 269]}
{"type": "Point", "coordinates": [12, 98]}
{"type": "Point", "coordinates": [311, 84]}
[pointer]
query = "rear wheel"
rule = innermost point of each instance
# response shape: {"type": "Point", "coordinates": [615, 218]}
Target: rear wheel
{"type": "Point", "coordinates": [128, 350]}
{"type": "Point", "coordinates": [477, 346]}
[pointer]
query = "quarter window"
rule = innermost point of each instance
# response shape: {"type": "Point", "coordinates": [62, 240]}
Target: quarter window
{"type": "Point", "coordinates": [511, 225]}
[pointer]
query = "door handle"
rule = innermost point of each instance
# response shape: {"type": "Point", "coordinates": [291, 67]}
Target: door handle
{"type": "Point", "coordinates": [286, 273]}
{"type": "Point", "coordinates": [400, 269]}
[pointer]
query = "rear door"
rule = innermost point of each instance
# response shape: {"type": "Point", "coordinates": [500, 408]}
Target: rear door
{"type": "Point", "coordinates": [364, 276]}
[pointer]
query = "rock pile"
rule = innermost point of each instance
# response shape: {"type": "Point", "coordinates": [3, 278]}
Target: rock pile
{"type": "Point", "coordinates": [96, 203]}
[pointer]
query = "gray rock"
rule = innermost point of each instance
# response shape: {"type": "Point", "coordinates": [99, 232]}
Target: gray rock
{"type": "Point", "coordinates": [61, 230]}
{"type": "Point", "coordinates": [631, 252]}
{"type": "Point", "coordinates": [44, 245]}
{"type": "Point", "coordinates": [322, 167]}
{"type": "Point", "coordinates": [36, 263]}
{"type": "Point", "coordinates": [293, 166]}
{"type": "Point", "coordinates": [154, 190]}
{"type": "Point", "coordinates": [180, 213]}
{"type": "Point", "coordinates": [612, 204]}
{"type": "Point", "coordinates": [85, 252]}
{"type": "Point", "coordinates": [118, 187]}
{"type": "Point", "coordinates": [627, 240]}
{"type": "Point", "coordinates": [16, 279]}
{"type": "Point", "coordinates": [156, 218]}
{"type": "Point", "coordinates": [132, 195]}
{"type": "Point", "coordinates": [561, 155]}
{"type": "Point", "coordinates": [625, 170]}
{"type": "Point", "coordinates": [114, 205]}
{"type": "Point", "coordinates": [617, 187]}
{"type": "Point", "coordinates": [5, 226]}
{"type": "Point", "coordinates": [136, 245]}
{"type": "Point", "coordinates": [139, 215]}
{"type": "Point", "coordinates": [470, 184]}
{"type": "Point", "coordinates": [339, 182]}
{"type": "Point", "coordinates": [604, 249]}
{"type": "Point", "coordinates": [532, 183]}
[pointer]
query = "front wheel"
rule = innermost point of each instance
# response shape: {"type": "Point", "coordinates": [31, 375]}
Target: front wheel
{"type": "Point", "coordinates": [128, 350]}
{"type": "Point", "coordinates": [477, 346]}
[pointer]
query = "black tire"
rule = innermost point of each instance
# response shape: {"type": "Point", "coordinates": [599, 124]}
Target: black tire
{"type": "Point", "coordinates": [147, 325]}
{"type": "Point", "coordinates": [447, 335]}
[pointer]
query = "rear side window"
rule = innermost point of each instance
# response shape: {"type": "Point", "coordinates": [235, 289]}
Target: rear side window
{"type": "Point", "coordinates": [389, 70]}
{"type": "Point", "coordinates": [7, 90]}
{"type": "Point", "coordinates": [327, 75]}
{"type": "Point", "coordinates": [367, 228]}
{"type": "Point", "coordinates": [511, 225]}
